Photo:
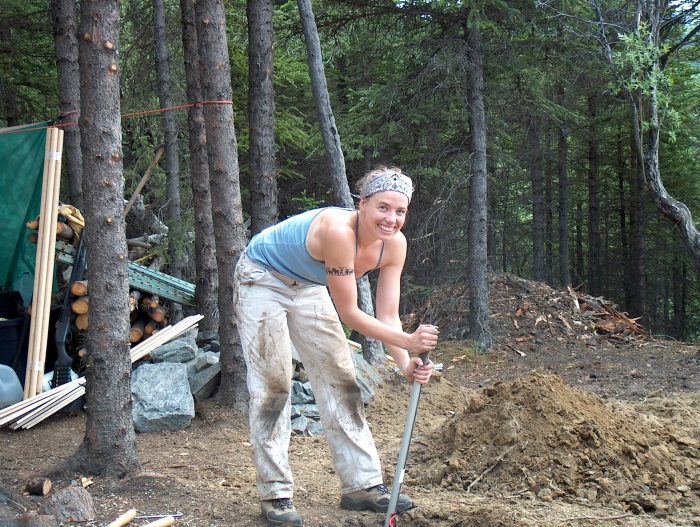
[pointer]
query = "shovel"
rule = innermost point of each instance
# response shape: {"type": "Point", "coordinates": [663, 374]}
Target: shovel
{"type": "Point", "coordinates": [403, 450]}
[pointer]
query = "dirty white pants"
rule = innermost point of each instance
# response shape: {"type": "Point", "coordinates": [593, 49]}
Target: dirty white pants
{"type": "Point", "coordinates": [271, 309]}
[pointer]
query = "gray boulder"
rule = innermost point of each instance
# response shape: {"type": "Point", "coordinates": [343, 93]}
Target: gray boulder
{"type": "Point", "coordinates": [183, 349]}
{"type": "Point", "coordinates": [161, 397]}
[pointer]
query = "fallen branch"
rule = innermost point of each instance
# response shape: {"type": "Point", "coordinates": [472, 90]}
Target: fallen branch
{"type": "Point", "coordinates": [498, 460]}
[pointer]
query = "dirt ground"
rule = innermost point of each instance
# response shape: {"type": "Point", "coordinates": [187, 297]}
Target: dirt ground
{"type": "Point", "coordinates": [570, 420]}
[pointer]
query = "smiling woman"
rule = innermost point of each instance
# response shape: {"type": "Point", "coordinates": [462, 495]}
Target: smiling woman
{"type": "Point", "coordinates": [282, 287]}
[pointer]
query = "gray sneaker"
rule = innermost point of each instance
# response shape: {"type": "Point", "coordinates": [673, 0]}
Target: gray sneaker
{"type": "Point", "coordinates": [280, 512]}
{"type": "Point", "coordinates": [373, 499]}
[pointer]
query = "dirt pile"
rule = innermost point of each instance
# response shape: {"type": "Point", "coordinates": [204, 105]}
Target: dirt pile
{"type": "Point", "coordinates": [539, 437]}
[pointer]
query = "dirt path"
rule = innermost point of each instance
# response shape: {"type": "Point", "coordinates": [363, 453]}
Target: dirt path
{"type": "Point", "coordinates": [556, 429]}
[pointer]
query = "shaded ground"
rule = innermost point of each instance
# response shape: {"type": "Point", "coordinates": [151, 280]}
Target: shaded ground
{"type": "Point", "coordinates": [559, 425]}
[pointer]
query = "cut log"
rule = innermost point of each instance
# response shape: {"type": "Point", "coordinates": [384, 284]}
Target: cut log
{"type": "Point", "coordinates": [33, 224]}
{"type": "Point", "coordinates": [81, 322]}
{"type": "Point", "coordinates": [64, 231]}
{"type": "Point", "coordinates": [79, 288]}
{"type": "Point", "coordinates": [154, 301]}
{"type": "Point", "coordinates": [72, 504]}
{"type": "Point", "coordinates": [81, 353]}
{"type": "Point", "coordinates": [137, 330]}
{"type": "Point", "coordinates": [38, 486]}
{"type": "Point", "coordinates": [29, 520]}
{"type": "Point", "coordinates": [134, 297]}
{"type": "Point", "coordinates": [150, 328]}
{"type": "Point", "coordinates": [81, 305]}
{"type": "Point", "coordinates": [158, 314]}
{"type": "Point", "coordinates": [33, 237]}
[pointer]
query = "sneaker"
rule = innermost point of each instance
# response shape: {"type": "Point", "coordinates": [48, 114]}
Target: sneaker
{"type": "Point", "coordinates": [375, 499]}
{"type": "Point", "coordinates": [280, 511]}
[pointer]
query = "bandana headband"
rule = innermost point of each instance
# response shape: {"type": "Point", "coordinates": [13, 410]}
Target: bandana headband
{"type": "Point", "coordinates": [388, 181]}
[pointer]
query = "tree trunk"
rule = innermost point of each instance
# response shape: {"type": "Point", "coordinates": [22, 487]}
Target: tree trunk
{"type": "Point", "coordinates": [331, 139]}
{"type": "Point", "coordinates": [636, 250]}
{"type": "Point", "coordinates": [622, 213]}
{"type": "Point", "coordinates": [222, 150]}
{"type": "Point", "coordinates": [263, 165]}
{"type": "Point", "coordinates": [537, 177]}
{"type": "Point", "coordinates": [372, 350]}
{"type": "Point", "coordinates": [548, 228]}
{"type": "Point", "coordinates": [594, 263]}
{"type": "Point", "coordinates": [578, 257]}
{"type": "Point", "coordinates": [8, 96]}
{"type": "Point", "coordinates": [172, 162]}
{"type": "Point", "coordinates": [563, 187]}
{"type": "Point", "coordinates": [205, 252]}
{"type": "Point", "coordinates": [64, 17]}
{"type": "Point", "coordinates": [109, 445]}
{"type": "Point", "coordinates": [479, 327]}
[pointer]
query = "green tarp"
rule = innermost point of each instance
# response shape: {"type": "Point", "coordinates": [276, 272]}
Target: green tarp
{"type": "Point", "coordinates": [21, 171]}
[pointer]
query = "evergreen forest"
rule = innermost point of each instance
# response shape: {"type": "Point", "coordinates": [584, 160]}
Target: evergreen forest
{"type": "Point", "coordinates": [584, 102]}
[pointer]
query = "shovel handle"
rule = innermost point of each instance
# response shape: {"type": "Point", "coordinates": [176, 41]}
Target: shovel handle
{"type": "Point", "coordinates": [124, 518]}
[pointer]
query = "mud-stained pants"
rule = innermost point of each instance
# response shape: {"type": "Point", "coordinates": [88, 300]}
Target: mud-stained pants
{"type": "Point", "coordinates": [271, 309]}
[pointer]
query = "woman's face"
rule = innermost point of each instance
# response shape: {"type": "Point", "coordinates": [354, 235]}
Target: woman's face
{"type": "Point", "coordinates": [385, 212]}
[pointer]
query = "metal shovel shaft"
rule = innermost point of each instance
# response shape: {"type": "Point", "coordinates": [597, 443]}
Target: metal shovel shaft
{"type": "Point", "coordinates": [403, 449]}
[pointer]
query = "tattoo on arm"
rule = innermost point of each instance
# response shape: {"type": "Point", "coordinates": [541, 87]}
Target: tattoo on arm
{"type": "Point", "coordinates": [340, 271]}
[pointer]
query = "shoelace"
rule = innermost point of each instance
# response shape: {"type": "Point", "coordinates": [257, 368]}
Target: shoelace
{"type": "Point", "coordinates": [382, 488]}
{"type": "Point", "coordinates": [282, 503]}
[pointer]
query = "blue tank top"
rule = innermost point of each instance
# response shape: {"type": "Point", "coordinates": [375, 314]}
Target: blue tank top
{"type": "Point", "coordinates": [282, 248]}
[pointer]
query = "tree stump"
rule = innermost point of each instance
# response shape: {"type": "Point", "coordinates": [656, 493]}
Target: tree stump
{"type": "Point", "coordinates": [72, 504]}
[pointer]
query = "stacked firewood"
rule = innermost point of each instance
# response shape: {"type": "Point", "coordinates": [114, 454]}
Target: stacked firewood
{"type": "Point", "coordinates": [146, 313]}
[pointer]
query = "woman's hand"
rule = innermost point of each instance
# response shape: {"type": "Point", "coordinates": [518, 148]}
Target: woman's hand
{"type": "Point", "coordinates": [417, 371]}
{"type": "Point", "coordinates": [423, 339]}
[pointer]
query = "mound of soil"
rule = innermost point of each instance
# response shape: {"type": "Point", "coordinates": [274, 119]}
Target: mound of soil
{"type": "Point", "coordinates": [539, 437]}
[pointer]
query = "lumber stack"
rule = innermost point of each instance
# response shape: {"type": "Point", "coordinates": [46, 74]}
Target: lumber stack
{"type": "Point", "coordinates": [29, 412]}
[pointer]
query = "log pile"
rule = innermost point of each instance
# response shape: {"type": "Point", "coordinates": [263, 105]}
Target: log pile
{"type": "Point", "coordinates": [146, 313]}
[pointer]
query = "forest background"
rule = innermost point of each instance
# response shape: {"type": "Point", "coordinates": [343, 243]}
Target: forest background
{"type": "Point", "coordinates": [567, 203]}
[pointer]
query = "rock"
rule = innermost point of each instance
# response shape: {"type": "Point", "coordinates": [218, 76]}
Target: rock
{"type": "Point", "coordinates": [206, 359]}
{"type": "Point", "coordinates": [302, 393]}
{"type": "Point", "coordinates": [162, 399]}
{"type": "Point", "coordinates": [205, 382]}
{"type": "Point", "coordinates": [314, 428]}
{"type": "Point", "coordinates": [183, 349]}
{"type": "Point", "coordinates": [300, 424]}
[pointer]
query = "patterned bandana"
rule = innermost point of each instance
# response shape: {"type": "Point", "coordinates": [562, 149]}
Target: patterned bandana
{"type": "Point", "coordinates": [388, 181]}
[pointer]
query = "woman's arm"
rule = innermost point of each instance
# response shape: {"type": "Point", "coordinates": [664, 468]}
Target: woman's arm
{"type": "Point", "coordinates": [387, 326]}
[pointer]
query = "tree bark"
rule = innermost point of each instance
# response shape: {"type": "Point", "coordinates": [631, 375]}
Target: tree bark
{"type": "Point", "coordinates": [594, 258]}
{"type": "Point", "coordinates": [622, 214]}
{"type": "Point", "coordinates": [8, 95]}
{"type": "Point", "coordinates": [172, 162]}
{"type": "Point", "coordinates": [64, 17]}
{"type": "Point", "coordinates": [372, 349]}
{"type": "Point", "coordinates": [109, 445]}
{"type": "Point", "coordinates": [222, 154]}
{"type": "Point", "coordinates": [207, 281]}
{"type": "Point", "coordinates": [537, 179]}
{"type": "Point", "coordinates": [263, 165]}
{"type": "Point", "coordinates": [479, 327]}
{"type": "Point", "coordinates": [548, 228]}
{"type": "Point", "coordinates": [563, 187]}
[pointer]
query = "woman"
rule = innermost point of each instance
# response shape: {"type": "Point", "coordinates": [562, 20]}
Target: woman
{"type": "Point", "coordinates": [281, 294]}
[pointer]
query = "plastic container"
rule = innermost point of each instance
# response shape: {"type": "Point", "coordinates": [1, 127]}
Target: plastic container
{"type": "Point", "coordinates": [10, 387]}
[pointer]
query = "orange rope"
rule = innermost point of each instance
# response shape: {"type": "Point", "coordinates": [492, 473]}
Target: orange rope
{"type": "Point", "coordinates": [124, 116]}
